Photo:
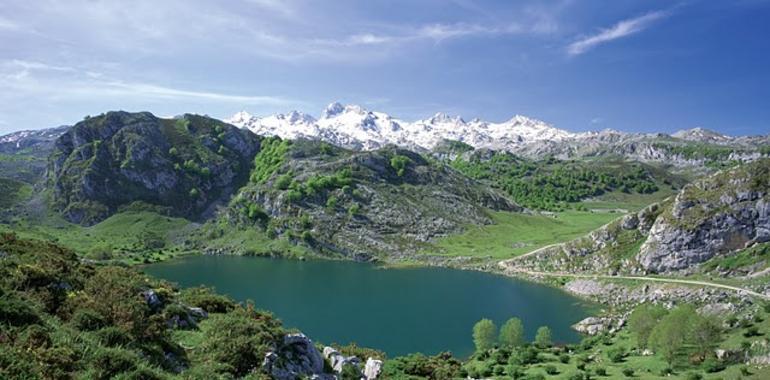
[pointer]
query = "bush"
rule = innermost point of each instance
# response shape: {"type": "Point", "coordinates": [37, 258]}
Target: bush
{"type": "Point", "coordinates": [712, 365]}
{"type": "Point", "coordinates": [616, 355]}
{"type": "Point", "coordinates": [751, 331]}
{"type": "Point", "coordinates": [110, 362]}
{"type": "Point", "coordinates": [694, 376]}
{"type": "Point", "coordinates": [206, 299]}
{"type": "Point", "coordinates": [668, 371]}
{"type": "Point", "coordinates": [87, 320]}
{"type": "Point", "coordinates": [600, 371]}
{"type": "Point", "coordinates": [399, 162]}
{"type": "Point", "coordinates": [17, 312]}
{"type": "Point", "coordinates": [113, 337]}
{"type": "Point", "coordinates": [551, 370]}
{"type": "Point", "coordinates": [564, 358]}
{"type": "Point", "coordinates": [628, 372]}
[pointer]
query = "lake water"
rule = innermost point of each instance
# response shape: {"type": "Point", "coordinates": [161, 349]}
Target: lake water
{"type": "Point", "coordinates": [398, 311]}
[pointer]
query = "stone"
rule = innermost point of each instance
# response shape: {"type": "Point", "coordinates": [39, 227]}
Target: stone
{"type": "Point", "coordinates": [372, 368]}
{"type": "Point", "coordinates": [296, 357]}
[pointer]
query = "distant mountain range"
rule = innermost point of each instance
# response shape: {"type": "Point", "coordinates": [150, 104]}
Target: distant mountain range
{"type": "Point", "coordinates": [354, 127]}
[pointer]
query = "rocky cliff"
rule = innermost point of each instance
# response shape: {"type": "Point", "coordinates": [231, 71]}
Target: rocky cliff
{"type": "Point", "coordinates": [712, 218]}
{"type": "Point", "coordinates": [185, 164]}
{"type": "Point", "coordinates": [716, 216]}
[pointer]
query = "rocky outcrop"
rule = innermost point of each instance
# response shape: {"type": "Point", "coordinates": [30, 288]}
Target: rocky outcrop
{"type": "Point", "coordinates": [297, 357]}
{"type": "Point", "coordinates": [185, 165]}
{"type": "Point", "coordinates": [599, 325]}
{"type": "Point", "coordinates": [715, 216]}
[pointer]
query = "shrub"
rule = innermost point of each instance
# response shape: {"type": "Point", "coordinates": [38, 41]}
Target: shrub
{"type": "Point", "coordinates": [616, 355]}
{"type": "Point", "coordinates": [628, 372]}
{"type": "Point", "coordinates": [551, 369]}
{"type": "Point", "coordinates": [525, 356]}
{"type": "Point", "coordinates": [206, 299]}
{"type": "Point", "coordinates": [600, 371]}
{"type": "Point", "coordinates": [113, 337]}
{"type": "Point", "coordinates": [283, 181]}
{"type": "Point", "coordinates": [711, 365]}
{"type": "Point", "coordinates": [564, 358]}
{"type": "Point", "coordinates": [399, 163]}
{"type": "Point", "coordinates": [354, 209]}
{"type": "Point", "coordinates": [668, 371]}
{"type": "Point", "coordinates": [17, 312]}
{"type": "Point", "coordinates": [694, 376]}
{"type": "Point", "coordinates": [751, 331]}
{"type": "Point", "coordinates": [109, 362]}
{"type": "Point", "coordinates": [577, 376]}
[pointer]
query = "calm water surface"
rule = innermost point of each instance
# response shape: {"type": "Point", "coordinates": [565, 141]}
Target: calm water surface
{"type": "Point", "coordinates": [398, 311]}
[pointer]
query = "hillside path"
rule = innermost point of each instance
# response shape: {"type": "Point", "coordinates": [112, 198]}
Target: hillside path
{"type": "Point", "coordinates": [510, 270]}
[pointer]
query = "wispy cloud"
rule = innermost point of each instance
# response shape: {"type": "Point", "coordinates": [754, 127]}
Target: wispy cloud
{"type": "Point", "coordinates": [46, 81]}
{"type": "Point", "coordinates": [621, 29]}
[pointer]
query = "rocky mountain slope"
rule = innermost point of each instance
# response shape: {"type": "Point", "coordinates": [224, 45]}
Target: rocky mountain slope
{"type": "Point", "coordinates": [354, 127]}
{"type": "Point", "coordinates": [713, 218]}
{"type": "Point", "coordinates": [185, 165]}
{"type": "Point", "coordinates": [358, 204]}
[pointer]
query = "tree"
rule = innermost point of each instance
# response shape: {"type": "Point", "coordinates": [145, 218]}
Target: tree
{"type": "Point", "coordinates": [643, 319]}
{"type": "Point", "coordinates": [705, 333]}
{"type": "Point", "coordinates": [484, 333]}
{"type": "Point", "coordinates": [670, 335]}
{"type": "Point", "coordinates": [543, 337]}
{"type": "Point", "coordinates": [512, 333]}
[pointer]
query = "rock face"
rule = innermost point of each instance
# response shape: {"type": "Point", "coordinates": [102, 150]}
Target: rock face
{"type": "Point", "coordinates": [715, 216]}
{"type": "Point", "coordinates": [296, 358]}
{"type": "Point", "coordinates": [185, 164]}
{"type": "Point", "coordinates": [361, 204]}
{"type": "Point", "coordinates": [598, 325]}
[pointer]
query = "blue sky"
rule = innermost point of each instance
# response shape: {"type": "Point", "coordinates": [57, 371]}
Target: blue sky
{"type": "Point", "coordinates": [630, 65]}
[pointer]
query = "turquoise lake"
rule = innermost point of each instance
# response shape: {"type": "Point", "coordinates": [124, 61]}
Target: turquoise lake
{"type": "Point", "coordinates": [398, 311]}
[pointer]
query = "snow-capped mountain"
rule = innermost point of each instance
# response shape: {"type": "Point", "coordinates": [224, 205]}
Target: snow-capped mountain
{"type": "Point", "coordinates": [32, 140]}
{"type": "Point", "coordinates": [355, 127]}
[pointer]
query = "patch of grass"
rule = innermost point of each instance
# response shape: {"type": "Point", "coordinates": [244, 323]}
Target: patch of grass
{"type": "Point", "coordinates": [514, 234]}
{"type": "Point", "coordinates": [132, 236]}
{"type": "Point", "coordinates": [618, 200]}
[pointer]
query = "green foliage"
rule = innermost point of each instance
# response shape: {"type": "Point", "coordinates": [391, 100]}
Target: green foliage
{"type": "Point", "coordinates": [283, 181]}
{"type": "Point", "coordinates": [270, 158]}
{"type": "Point", "coordinates": [643, 319]}
{"type": "Point", "coordinates": [550, 183]}
{"type": "Point", "coordinates": [420, 366]}
{"type": "Point", "coordinates": [484, 335]}
{"type": "Point", "coordinates": [543, 337]}
{"type": "Point", "coordinates": [512, 333]}
{"type": "Point", "coordinates": [681, 328]}
{"type": "Point", "coordinates": [399, 163]}
{"type": "Point", "coordinates": [206, 299]}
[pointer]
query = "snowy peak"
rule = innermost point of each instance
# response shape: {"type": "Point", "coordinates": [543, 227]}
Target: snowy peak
{"type": "Point", "coordinates": [356, 127]}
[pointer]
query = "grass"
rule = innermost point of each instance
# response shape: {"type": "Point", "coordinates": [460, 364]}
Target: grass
{"type": "Point", "coordinates": [254, 241]}
{"type": "Point", "coordinates": [618, 200]}
{"type": "Point", "coordinates": [131, 237]}
{"type": "Point", "coordinates": [513, 234]}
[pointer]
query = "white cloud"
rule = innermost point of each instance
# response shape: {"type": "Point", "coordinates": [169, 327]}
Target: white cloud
{"type": "Point", "coordinates": [44, 81]}
{"type": "Point", "coordinates": [621, 29]}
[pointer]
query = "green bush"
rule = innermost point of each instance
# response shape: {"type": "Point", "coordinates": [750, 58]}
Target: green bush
{"type": "Point", "coordinates": [113, 337]}
{"type": "Point", "coordinates": [399, 163]}
{"type": "Point", "coordinates": [601, 371]}
{"type": "Point", "coordinates": [564, 358]}
{"type": "Point", "coordinates": [109, 362]}
{"type": "Point", "coordinates": [628, 372]}
{"type": "Point", "coordinates": [617, 354]}
{"type": "Point", "coordinates": [551, 369]}
{"type": "Point", "coordinates": [206, 299]}
{"type": "Point", "coordinates": [17, 312]}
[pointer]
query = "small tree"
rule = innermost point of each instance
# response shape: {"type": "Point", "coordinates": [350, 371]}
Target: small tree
{"type": "Point", "coordinates": [484, 333]}
{"type": "Point", "coordinates": [670, 335]}
{"type": "Point", "coordinates": [643, 319]}
{"type": "Point", "coordinates": [512, 333]}
{"type": "Point", "coordinates": [543, 337]}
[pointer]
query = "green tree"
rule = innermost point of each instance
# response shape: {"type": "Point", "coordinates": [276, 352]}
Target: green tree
{"type": "Point", "coordinates": [543, 337]}
{"type": "Point", "coordinates": [705, 333]}
{"type": "Point", "coordinates": [643, 319]}
{"type": "Point", "coordinates": [484, 334]}
{"type": "Point", "coordinates": [399, 162]}
{"type": "Point", "coordinates": [670, 335]}
{"type": "Point", "coordinates": [512, 333]}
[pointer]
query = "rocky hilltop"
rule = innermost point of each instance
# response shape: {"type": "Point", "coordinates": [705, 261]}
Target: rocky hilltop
{"type": "Point", "coordinates": [359, 203]}
{"type": "Point", "coordinates": [710, 219]}
{"type": "Point", "coordinates": [186, 165]}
